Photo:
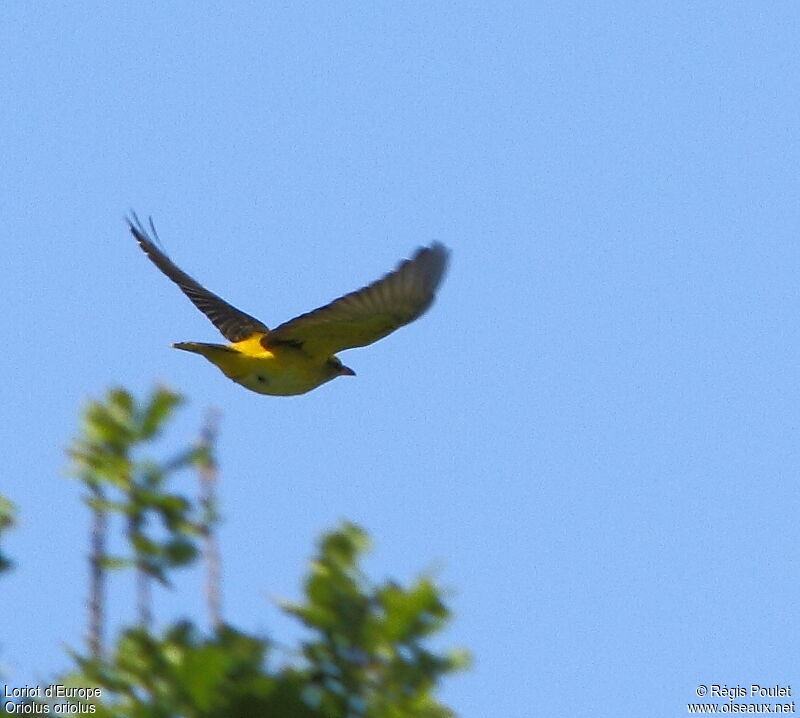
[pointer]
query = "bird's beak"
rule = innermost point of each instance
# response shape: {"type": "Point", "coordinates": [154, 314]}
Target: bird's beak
{"type": "Point", "coordinates": [346, 371]}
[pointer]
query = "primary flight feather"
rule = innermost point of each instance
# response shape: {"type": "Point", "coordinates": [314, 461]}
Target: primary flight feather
{"type": "Point", "coordinates": [299, 355]}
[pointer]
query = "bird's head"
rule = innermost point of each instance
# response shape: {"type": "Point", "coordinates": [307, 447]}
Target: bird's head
{"type": "Point", "coordinates": [334, 368]}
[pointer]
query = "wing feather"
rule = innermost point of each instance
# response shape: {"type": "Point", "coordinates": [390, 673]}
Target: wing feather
{"type": "Point", "coordinates": [368, 314]}
{"type": "Point", "coordinates": [233, 323]}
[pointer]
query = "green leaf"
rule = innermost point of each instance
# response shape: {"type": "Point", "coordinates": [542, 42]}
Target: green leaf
{"type": "Point", "coordinates": [158, 409]}
{"type": "Point", "coordinates": [114, 563]}
{"type": "Point", "coordinates": [180, 551]}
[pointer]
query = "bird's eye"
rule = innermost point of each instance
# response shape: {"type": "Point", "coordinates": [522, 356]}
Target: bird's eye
{"type": "Point", "coordinates": [261, 379]}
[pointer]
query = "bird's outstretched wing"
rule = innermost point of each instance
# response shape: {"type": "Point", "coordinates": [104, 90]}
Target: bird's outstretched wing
{"type": "Point", "coordinates": [233, 323]}
{"type": "Point", "coordinates": [364, 316]}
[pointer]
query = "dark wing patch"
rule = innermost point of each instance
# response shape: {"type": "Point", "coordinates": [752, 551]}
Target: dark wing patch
{"type": "Point", "coordinates": [364, 316]}
{"type": "Point", "coordinates": [233, 323]}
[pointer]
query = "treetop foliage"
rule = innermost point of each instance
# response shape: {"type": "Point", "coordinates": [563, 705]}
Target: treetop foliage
{"type": "Point", "coordinates": [365, 652]}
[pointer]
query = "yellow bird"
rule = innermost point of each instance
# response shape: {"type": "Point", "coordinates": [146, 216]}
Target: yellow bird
{"type": "Point", "coordinates": [299, 355]}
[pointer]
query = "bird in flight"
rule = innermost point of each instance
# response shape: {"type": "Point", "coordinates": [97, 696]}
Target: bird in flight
{"type": "Point", "coordinates": [299, 355]}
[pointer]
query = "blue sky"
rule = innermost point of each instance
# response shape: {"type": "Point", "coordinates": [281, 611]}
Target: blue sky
{"type": "Point", "coordinates": [593, 438]}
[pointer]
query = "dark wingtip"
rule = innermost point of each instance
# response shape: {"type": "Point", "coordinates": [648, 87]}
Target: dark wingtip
{"type": "Point", "coordinates": [135, 225]}
{"type": "Point", "coordinates": [442, 253]}
{"type": "Point", "coordinates": [139, 232]}
{"type": "Point", "coordinates": [436, 258]}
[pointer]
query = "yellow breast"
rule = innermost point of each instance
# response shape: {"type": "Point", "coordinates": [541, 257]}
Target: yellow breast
{"type": "Point", "coordinates": [278, 373]}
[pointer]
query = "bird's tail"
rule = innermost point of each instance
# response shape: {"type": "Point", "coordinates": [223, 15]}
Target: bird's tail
{"type": "Point", "coordinates": [226, 359]}
{"type": "Point", "coordinates": [206, 350]}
